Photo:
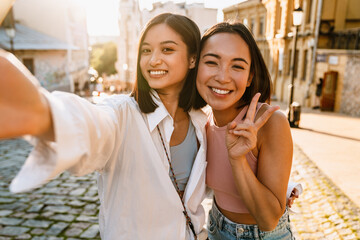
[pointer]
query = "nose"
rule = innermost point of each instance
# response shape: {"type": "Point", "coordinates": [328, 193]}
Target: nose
{"type": "Point", "coordinates": [222, 75]}
{"type": "Point", "coordinates": [155, 59]}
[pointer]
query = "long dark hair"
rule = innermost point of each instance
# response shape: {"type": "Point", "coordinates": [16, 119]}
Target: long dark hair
{"type": "Point", "coordinates": [261, 81]}
{"type": "Point", "coordinates": [190, 35]}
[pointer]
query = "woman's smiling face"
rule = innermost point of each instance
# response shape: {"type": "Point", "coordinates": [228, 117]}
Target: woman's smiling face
{"type": "Point", "coordinates": [224, 71]}
{"type": "Point", "coordinates": [164, 58]}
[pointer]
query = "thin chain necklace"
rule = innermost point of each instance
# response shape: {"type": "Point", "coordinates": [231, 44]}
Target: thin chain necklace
{"type": "Point", "coordinates": [188, 219]}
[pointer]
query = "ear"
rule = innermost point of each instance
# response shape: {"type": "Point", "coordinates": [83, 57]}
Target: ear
{"type": "Point", "coordinates": [249, 81]}
{"type": "Point", "coordinates": [192, 62]}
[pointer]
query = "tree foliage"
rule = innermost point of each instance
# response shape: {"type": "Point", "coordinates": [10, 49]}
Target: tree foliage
{"type": "Point", "coordinates": [103, 58]}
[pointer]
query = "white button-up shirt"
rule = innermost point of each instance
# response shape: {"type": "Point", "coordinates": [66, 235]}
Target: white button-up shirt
{"type": "Point", "coordinates": [138, 199]}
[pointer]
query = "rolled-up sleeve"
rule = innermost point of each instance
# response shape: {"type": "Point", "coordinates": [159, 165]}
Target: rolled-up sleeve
{"type": "Point", "coordinates": [84, 141]}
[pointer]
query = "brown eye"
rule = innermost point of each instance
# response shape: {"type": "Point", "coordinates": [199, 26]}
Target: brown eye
{"type": "Point", "coordinates": [168, 50]}
{"type": "Point", "coordinates": [211, 63]}
{"type": "Point", "coordinates": [145, 50]}
{"type": "Point", "coordinates": [238, 67]}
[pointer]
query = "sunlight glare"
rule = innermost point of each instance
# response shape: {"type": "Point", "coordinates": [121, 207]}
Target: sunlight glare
{"type": "Point", "coordinates": [102, 17]}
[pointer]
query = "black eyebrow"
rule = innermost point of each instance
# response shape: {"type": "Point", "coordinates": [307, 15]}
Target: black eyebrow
{"type": "Point", "coordinates": [241, 59]}
{"type": "Point", "coordinates": [164, 42]}
{"type": "Point", "coordinates": [169, 41]}
{"type": "Point", "coordinates": [211, 55]}
{"type": "Point", "coordinates": [218, 57]}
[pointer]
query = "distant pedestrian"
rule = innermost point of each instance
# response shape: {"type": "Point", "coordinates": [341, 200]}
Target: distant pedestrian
{"type": "Point", "coordinates": [318, 93]}
{"type": "Point", "coordinates": [249, 144]}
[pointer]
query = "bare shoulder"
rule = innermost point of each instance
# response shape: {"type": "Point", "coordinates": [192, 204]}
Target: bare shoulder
{"type": "Point", "coordinates": [275, 133]}
{"type": "Point", "coordinates": [276, 124]}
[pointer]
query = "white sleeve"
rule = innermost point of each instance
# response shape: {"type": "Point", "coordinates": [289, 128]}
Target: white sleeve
{"type": "Point", "coordinates": [291, 187]}
{"type": "Point", "coordinates": [84, 141]}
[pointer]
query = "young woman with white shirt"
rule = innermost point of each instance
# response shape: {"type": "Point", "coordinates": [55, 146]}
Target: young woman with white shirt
{"type": "Point", "coordinates": [147, 189]}
{"type": "Point", "coordinates": [249, 144]}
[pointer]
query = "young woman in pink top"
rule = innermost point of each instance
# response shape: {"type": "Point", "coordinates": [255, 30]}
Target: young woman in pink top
{"type": "Point", "coordinates": [249, 142]}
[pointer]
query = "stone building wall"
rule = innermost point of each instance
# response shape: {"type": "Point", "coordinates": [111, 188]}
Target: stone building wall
{"type": "Point", "coordinates": [49, 68]}
{"type": "Point", "coordinates": [350, 103]}
{"type": "Point", "coordinates": [346, 63]}
{"type": "Point", "coordinates": [66, 21]}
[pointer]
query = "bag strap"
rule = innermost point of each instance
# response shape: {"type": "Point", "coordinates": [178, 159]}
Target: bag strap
{"type": "Point", "coordinates": [188, 219]}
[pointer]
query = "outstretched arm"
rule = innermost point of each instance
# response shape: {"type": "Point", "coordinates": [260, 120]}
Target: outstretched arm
{"type": "Point", "coordinates": [24, 110]}
{"type": "Point", "coordinates": [83, 135]}
{"type": "Point", "coordinates": [263, 193]}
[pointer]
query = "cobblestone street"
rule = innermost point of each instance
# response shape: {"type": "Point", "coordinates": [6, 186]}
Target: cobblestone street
{"type": "Point", "coordinates": [323, 210]}
{"type": "Point", "coordinates": [67, 207]}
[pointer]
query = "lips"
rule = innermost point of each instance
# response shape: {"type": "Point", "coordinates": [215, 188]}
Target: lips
{"type": "Point", "coordinates": [220, 91]}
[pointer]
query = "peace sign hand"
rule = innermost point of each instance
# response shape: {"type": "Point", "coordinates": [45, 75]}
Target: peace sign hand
{"type": "Point", "coordinates": [241, 138]}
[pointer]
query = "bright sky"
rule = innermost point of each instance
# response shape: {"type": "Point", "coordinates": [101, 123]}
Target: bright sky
{"type": "Point", "coordinates": [102, 17]}
{"type": "Point", "coordinates": [102, 14]}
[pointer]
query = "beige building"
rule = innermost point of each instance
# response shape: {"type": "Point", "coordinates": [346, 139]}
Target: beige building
{"type": "Point", "coordinates": [64, 21]}
{"type": "Point", "coordinates": [203, 17]}
{"type": "Point", "coordinates": [328, 25]}
{"type": "Point", "coordinates": [130, 26]}
{"type": "Point", "coordinates": [132, 21]}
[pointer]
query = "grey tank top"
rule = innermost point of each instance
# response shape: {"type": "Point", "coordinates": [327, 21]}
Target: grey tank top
{"type": "Point", "coordinates": [183, 156]}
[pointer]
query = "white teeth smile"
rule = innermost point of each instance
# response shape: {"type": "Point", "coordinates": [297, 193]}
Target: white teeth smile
{"type": "Point", "coordinates": [219, 91]}
{"type": "Point", "coordinates": [157, 72]}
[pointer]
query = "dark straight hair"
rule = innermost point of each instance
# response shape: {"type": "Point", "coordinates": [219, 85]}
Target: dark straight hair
{"type": "Point", "coordinates": [261, 81]}
{"type": "Point", "coordinates": [190, 35]}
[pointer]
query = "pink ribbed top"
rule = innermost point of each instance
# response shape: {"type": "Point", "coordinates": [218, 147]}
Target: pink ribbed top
{"type": "Point", "coordinates": [219, 175]}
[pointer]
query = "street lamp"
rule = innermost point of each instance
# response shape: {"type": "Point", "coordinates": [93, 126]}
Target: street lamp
{"type": "Point", "coordinates": [10, 32]}
{"type": "Point", "coordinates": [294, 108]}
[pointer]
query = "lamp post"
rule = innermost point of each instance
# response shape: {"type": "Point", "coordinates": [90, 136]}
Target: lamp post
{"type": "Point", "coordinates": [10, 32]}
{"type": "Point", "coordinates": [297, 20]}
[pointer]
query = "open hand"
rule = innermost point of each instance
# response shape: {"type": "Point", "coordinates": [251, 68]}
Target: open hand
{"type": "Point", "coordinates": [242, 137]}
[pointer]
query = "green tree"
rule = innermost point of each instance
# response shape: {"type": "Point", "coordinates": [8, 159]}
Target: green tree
{"type": "Point", "coordinates": [103, 58]}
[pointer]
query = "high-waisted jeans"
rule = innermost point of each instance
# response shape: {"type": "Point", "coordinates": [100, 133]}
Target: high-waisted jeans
{"type": "Point", "coordinates": [221, 228]}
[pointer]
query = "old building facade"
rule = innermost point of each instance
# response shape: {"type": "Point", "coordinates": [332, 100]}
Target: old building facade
{"type": "Point", "coordinates": [202, 16]}
{"type": "Point", "coordinates": [52, 41]}
{"type": "Point", "coordinates": [130, 26]}
{"type": "Point", "coordinates": [327, 25]}
{"type": "Point", "coordinates": [132, 20]}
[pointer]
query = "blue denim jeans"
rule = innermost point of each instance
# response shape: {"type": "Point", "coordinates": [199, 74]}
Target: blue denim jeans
{"type": "Point", "coordinates": [221, 228]}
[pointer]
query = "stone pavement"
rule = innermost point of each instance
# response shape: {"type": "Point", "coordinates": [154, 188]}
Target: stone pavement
{"type": "Point", "coordinates": [332, 141]}
{"type": "Point", "coordinates": [67, 207]}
